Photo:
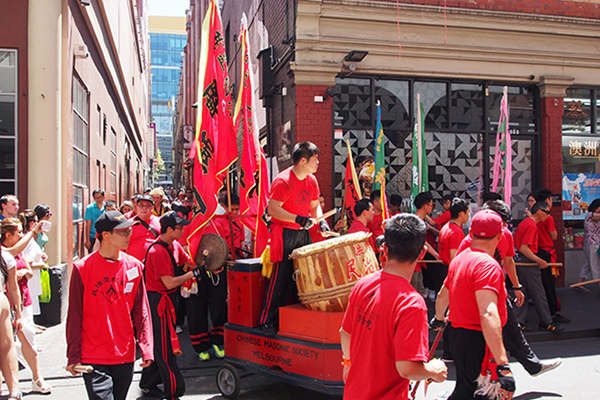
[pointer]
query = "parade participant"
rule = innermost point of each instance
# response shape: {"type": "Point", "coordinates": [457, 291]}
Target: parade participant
{"type": "Point", "coordinates": [428, 277]}
{"type": "Point", "coordinates": [395, 204]}
{"type": "Point", "coordinates": [293, 207]}
{"type": "Point", "coordinates": [384, 334]}
{"type": "Point", "coordinates": [107, 307]}
{"type": "Point", "coordinates": [159, 207]}
{"type": "Point", "coordinates": [9, 365]}
{"type": "Point", "coordinates": [512, 334]}
{"type": "Point", "coordinates": [444, 217]}
{"type": "Point", "coordinates": [363, 209]}
{"type": "Point", "coordinates": [452, 233]}
{"type": "Point", "coordinates": [9, 206]}
{"type": "Point", "coordinates": [546, 236]}
{"type": "Point", "coordinates": [12, 232]}
{"type": "Point", "coordinates": [146, 229]}
{"type": "Point", "coordinates": [376, 224]}
{"type": "Point", "coordinates": [92, 212]}
{"type": "Point", "coordinates": [477, 300]}
{"type": "Point", "coordinates": [526, 243]}
{"type": "Point", "coordinates": [227, 223]}
{"type": "Point", "coordinates": [163, 272]}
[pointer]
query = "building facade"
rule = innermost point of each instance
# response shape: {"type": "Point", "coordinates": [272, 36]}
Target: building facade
{"type": "Point", "coordinates": [167, 40]}
{"type": "Point", "coordinates": [456, 56]}
{"type": "Point", "coordinates": [74, 96]}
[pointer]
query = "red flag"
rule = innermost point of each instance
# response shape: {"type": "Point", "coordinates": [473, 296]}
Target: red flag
{"type": "Point", "coordinates": [254, 182]}
{"type": "Point", "coordinates": [215, 147]}
{"type": "Point", "coordinates": [351, 189]}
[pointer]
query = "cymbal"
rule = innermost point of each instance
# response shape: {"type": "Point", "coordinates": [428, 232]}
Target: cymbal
{"type": "Point", "coordinates": [212, 252]}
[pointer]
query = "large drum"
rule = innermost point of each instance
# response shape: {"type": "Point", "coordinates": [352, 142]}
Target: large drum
{"type": "Point", "coordinates": [326, 271]}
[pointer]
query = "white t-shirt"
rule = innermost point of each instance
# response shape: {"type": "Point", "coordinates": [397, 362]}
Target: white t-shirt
{"type": "Point", "coordinates": [10, 263]}
{"type": "Point", "coordinates": [33, 253]}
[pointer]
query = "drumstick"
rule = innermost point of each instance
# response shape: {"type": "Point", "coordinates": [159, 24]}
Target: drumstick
{"type": "Point", "coordinates": [431, 351]}
{"type": "Point", "coordinates": [84, 369]}
{"type": "Point", "coordinates": [584, 283]}
{"type": "Point", "coordinates": [325, 215]}
{"type": "Point", "coordinates": [531, 264]}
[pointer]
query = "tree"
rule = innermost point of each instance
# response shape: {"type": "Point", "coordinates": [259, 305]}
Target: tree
{"type": "Point", "coordinates": [159, 166]}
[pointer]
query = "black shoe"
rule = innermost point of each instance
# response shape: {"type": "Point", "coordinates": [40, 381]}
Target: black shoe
{"type": "Point", "coordinates": [558, 318]}
{"type": "Point", "coordinates": [153, 392]}
{"type": "Point", "coordinates": [551, 327]}
{"type": "Point", "coordinates": [268, 330]}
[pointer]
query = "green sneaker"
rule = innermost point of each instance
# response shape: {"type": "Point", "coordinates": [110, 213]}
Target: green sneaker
{"type": "Point", "coordinates": [219, 351]}
{"type": "Point", "coordinates": [204, 356]}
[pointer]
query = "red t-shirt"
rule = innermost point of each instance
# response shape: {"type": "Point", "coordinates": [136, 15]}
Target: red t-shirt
{"type": "Point", "coordinates": [141, 238]}
{"type": "Point", "coordinates": [450, 238]}
{"type": "Point", "coordinates": [387, 321]}
{"type": "Point", "coordinates": [106, 300]}
{"type": "Point", "coordinates": [443, 219]}
{"type": "Point", "coordinates": [295, 195]}
{"type": "Point", "coordinates": [358, 226]}
{"type": "Point", "coordinates": [23, 286]}
{"type": "Point", "coordinates": [222, 226]}
{"type": "Point", "coordinates": [375, 225]}
{"type": "Point", "coordinates": [506, 246]}
{"type": "Point", "coordinates": [527, 233]}
{"type": "Point", "coordinates": [545, 242]}
{"type": "Point", "coordinates": [470, 271]}
{"type": "Point", "coordinates": [158, 263]}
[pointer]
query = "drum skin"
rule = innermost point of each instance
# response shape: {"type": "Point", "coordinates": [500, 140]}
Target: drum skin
{"type": "Point", "coordinates": [326, 271]}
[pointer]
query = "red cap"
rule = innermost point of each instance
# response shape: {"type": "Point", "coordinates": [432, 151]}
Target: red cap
{"type": "Point", "coordinates": [486, 224]}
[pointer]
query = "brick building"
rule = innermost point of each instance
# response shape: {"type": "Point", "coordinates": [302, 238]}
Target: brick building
{"type": "Point", "coordinates": [316, 85]}
{"type": "Point", "coordinates": [74, 106]}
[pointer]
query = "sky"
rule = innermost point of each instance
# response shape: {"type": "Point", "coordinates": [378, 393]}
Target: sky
{"type": "Point", "coordinates": [168, 7]}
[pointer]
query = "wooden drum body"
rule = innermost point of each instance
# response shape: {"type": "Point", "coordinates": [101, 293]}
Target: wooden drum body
{"type": "Point", "coordinates": [326, 271]}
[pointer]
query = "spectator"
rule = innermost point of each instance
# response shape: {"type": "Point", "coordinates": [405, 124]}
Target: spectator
{"type": "Point", "coordinates": [126, 207]}
{"type": "Point", "coordinates": [591, 243]}
{"type": "Point", "coordinates": [9, 205]}
{"type": "Point", "coordinates": [92, 212]}
{"type": "Point", "coordinates": [8, 363]}
{"type": "Point", "coordinates": [110, 205]}
{"type": "Point", "coordinates": [12, 232]}
{"type": "Point", "coordinates": [35, 258]}
{"type": "Point", "coordinates": [43, 214]}
{"type": "Point", "coordinates": [160, 207]}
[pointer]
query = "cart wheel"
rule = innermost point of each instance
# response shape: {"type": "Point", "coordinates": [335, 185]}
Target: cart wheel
{"type": "Point", "coordinates": [228, 381]}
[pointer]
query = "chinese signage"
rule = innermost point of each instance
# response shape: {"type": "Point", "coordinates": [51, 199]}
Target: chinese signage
{"type": "Point", "coordinates": [583, 148]}
{"type": "Point", "coordinates": [579, 190]}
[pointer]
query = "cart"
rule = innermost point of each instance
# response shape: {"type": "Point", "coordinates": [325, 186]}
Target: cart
{"type": "Point", "coordinates": [306, 351]}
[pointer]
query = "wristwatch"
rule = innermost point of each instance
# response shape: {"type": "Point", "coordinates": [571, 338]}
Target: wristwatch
{"type": "Point", "coordinates": [518, 288]}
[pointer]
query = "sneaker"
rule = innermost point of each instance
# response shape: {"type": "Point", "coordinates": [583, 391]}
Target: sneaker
{"type": "Point", "coordinates": [219, 351]}
{"type": "Point", "coordinates": [178, 329]}
{"type": "Point", "coordinates": [548, 365]}
{"type": "Point", "coordinates": [560, 319]}
{"type": "Point", "coordinates": [204, 356]}
{"type": "Point", "coordinates": [551, 327]}
{"type": "Point", "coordinates": [268, 330]}
{"type": "Point", "coordinates": [40, 386]}
{"type": "Point", "coordinates": [15, 396]}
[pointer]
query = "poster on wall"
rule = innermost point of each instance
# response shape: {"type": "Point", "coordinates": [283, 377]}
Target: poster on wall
{"type": "Point", "coordinates": [578, 191]}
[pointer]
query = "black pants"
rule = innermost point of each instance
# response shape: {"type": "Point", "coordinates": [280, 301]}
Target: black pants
{"type": "Point", "coordinates": [211, 298]}
{"type": "Point", "coordinates": [281, 285]}
{"type": "Point", "coordinates": [548, 282]}
{"type": "Point", "coordinates": [108, 382]}
{"type": "Point", "coordinates": [164, 368]}
{"type": "Point", "coordinates": [434, 274]}
{"type": "Point", "coordinates": [468, 350]}
{"type": "Point", "coordinates": [516, 344]}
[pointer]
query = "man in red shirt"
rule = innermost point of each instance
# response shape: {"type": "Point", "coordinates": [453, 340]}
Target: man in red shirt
{"type": "Point", "coordinates": [384, 334]}
{"type": "Point", "coordinates": [164, 273]}
{"type": "Point", "coordinates": [428, 277]}
{"type": "Point", "coordinates": [107, 307]}
{"type": "Point", "coordinates": [444, 217]}
{"type": "Point", "coordinates": [293, 207]}
{"type": "Point", "coordinates": [395, 204]}
{"type": "Point", "coordinates": [452, 233]}
{"type": "Point", "coordinates": [546, 236]}
{"type": "Point", "coordinates": [376, 223]}
{"type": "Point", "coordinates": [477, 299]}
{"type": "Point", "coordinates": [146, 229]}
{"type": "Point", "coordinates": [227, 223]}
{"type": "Point", "coordinates": [526, 243]}
{"type": "Point", "coordinates": [363, 209]}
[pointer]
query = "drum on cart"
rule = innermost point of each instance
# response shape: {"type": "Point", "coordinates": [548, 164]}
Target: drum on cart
{"type": "Point", "coordinates": [326, 271]}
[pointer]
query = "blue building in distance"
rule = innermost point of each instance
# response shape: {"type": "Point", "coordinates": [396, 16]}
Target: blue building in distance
{"type": "Point", "coordinates": [167, 40]}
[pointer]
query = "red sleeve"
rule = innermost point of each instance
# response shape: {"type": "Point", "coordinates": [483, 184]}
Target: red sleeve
{"type": "Point", "coordinates": [507, 243]}
{"type": "Point", "coordinates": [442, 219]}
{"type": "Point", "coordinates": [411, 334]}
{"type": "Point", "coordinates": [142, 322]}
{"type": "Point", "coordinates": [280, 190]}
{"type": "Point", "coordinates": [182, 255]}
{"type": "Point", "coordinates": [74, 318]}
{"type": "Point", "coordinates": [349, 319]}
{"type": "Point", "coordinates": [488, 276]}
{"type": "Point", "coordinates": [529, 236]}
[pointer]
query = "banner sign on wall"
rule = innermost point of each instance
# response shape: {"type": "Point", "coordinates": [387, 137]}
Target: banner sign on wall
{"type": "Point", "coordinates": [579, 190]}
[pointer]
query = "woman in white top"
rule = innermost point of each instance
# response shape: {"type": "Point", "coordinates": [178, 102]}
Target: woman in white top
{"type": "Point", "coordinates": [8, 360]}
{"type": "Point", "coordinates": [35, 257]}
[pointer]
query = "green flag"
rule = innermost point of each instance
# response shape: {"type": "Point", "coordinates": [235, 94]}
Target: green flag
{"type": "Point", "coordinates": [379, 152]}
{"type": "Point", "coordinates": [420, 178]}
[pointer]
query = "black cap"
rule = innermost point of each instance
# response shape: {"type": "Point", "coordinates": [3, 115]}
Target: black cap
{"type": "Point", "coordinates": [110, 220]}
{"type": "Point", "coordinates": [144, 197]}
{"type": "Point", "coordinates": [172, 219]}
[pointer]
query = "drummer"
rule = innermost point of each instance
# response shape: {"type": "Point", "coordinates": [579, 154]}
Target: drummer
{"type": "Point", "coordinates": [293, 207]}
{"type": "Point", "coordinates": [363, 209]}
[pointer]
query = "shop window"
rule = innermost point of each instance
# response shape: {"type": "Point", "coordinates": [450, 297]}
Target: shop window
{"type": "Point", "coordinates": [435, 104]}
{"type": "Point", "coordinates": [8, 124]}
{"type": "Point", "coordinates": [395, 116]}
{"type": "Point", "coordinates": [352, 104]}
{"type": "Point", "coordinates": [466, 107]}
{"type": "Point", "coordinates": [80, 159]}
{"type": "Point", "coordinates": [522, 119]}
{"type": "Point", "coordinates": [577, 115]}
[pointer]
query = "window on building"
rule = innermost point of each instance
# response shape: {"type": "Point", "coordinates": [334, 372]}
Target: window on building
{"type": "Point", "coordinates": [8, 121]}
{"type": "Point", "coordinates": [113, 160]}
{"type": "Point", "coordinates": [577, 116]}
{"type": "Point", "coordinates": [80, 159]}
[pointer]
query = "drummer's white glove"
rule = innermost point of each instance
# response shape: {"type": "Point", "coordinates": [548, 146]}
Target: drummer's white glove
{"type": "Point", "coordinates": [324, 226]}
{"type": "Point", "coordinates": [305, 222]}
